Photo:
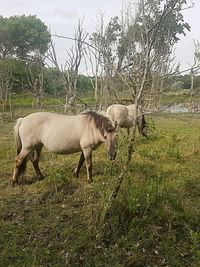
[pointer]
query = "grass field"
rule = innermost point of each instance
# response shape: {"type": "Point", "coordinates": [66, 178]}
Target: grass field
{"type": "Point", "coordinates": [155, 220]}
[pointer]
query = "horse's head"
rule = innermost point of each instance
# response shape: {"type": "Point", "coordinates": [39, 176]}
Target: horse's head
{"type": "Point", "coordinates": [107, 130]}
{"type": "Point", "coordinates": [110, 136]}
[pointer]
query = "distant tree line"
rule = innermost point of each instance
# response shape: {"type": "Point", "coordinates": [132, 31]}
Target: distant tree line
{"type": "Point", "coordinates": [178, 82]}
{"type": "Point", "coordinates": [24, 42]}
{"type": "Point", "coordinates": [132, 53]}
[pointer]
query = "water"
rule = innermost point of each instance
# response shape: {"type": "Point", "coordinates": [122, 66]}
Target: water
{"type": "Point", "coordinates": [177, 109]}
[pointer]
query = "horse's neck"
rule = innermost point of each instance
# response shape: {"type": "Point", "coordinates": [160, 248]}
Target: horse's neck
{"type": "Point", "coordinates": [96, 137]}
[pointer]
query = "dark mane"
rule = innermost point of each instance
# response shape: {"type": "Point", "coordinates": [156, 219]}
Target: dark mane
{"type": "Point", "coordinates": [102, 123]}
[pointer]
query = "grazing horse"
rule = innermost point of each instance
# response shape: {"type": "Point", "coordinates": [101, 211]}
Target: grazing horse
{"type": "Point", "coordinates": [61, 134]}
{"type": "Point", "coordinates": [123, 116]}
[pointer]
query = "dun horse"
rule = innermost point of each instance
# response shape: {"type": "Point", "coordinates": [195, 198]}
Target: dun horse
{"type": "Point", "coordinates": [123, 116]}
{"type": "Point", "coordinates": [61, 134]}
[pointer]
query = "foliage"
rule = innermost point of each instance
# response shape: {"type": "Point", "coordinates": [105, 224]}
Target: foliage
{"type": "Point", "coordinates": [23, 37]}
{"type": "Point", "coordinates": [18, 73]}
{"type": "Point", "coordinates": [184, 80]}
{"type": "Point", "coordinates": [54, 83]}
{"type": "Point", "coordinates": [83, 84]}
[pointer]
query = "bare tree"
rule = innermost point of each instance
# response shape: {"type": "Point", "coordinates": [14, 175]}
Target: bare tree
{"type": "Point", "coordinates": [95, 73]}
{"type": "Point", "coordinates": [93, 54]}
{"type": "Point", "coordinates": [6, 84]}
{"type": "Point", "coordinates": [104, 39]}
{"type": "Point", "coordinates": [35, 78]}
{"type": "Point", "coordinates": [195, 67]}
{"type": "Point", "coordinates": [70, 71]}
{"type": "Point", "coordinates": [146, 37]}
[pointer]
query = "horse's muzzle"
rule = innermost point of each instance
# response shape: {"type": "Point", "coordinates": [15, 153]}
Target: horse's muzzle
{"type": "Point", "coordinates": [113, 156]}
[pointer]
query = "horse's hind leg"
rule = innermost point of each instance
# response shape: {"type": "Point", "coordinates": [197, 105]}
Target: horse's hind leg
{"type": "Point", "coordinates": [20, 165]}
{"type": "Point", "coordinates": [35, 159]}
{"type": "Point", "coordinates": [128, 131]}
{"type": "Point", "coordinates": [80, 163]}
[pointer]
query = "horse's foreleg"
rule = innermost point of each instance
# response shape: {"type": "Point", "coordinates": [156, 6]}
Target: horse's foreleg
{"type": "Point", "coordinates": [20, 166]}
{"type": "Point", "coordinates": [80, 163]}
{"type": "Point", "coordinates": [88, 160]}
{"type": "Point", "coordinates": [35, 160]}
{"type": "Point", "coordinates": [89, 168]}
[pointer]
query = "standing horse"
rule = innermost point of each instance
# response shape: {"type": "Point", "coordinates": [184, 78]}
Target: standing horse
{"type": "Point", "coordinates": [124, 116]}
{"type": "Point", "coordinates": [62, 134]}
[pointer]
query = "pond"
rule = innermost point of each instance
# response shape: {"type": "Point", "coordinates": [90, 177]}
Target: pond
{"type": "Point", "coordinates": [177, 108]}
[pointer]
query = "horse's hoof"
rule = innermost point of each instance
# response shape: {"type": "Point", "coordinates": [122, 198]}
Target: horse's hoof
{"type": "Point", "coordinates": [76, 174]}
{"type": "Point", "coordinates": [40, 178]}
{"type": "Point", "coordinates": [14, 183]}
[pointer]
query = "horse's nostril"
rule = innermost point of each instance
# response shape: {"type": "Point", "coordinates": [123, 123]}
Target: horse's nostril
{"type": "Point", "coordinates": [112, 157]}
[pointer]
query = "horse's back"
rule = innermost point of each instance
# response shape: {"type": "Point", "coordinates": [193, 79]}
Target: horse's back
{"type": "Point", "coordinates": [47, 120]}
{"type": "Point", "coordinates": [119, 114]}
{"type": "Point", "coordinates": [132, 108]}
{"type": "Point", "coordinates": [57, 132]}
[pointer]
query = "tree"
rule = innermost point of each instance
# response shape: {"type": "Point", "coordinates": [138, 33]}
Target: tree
{"type": "Point", "coordinates": [152, 31]}
{"type": "Point", "coordinates": [22, 37]}
{"type": "Point", "coordinates": [6, 83]}
{"type": "Point", "coordinates": [36, 81]}
{"type": "Point", "coordinates": [195, 67]}
{"type": "Point", "coordinates": [105, 40]}
{"type": "Point", "coordinates": [53, 83]}
{"type": "Point", "coordinates": [18, 70]}
{"type": "Point", "coordinates": [69, 73]}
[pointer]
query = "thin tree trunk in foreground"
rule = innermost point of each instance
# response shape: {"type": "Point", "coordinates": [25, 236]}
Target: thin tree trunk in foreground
{"type": "Point", "coordinates": [120, 178]}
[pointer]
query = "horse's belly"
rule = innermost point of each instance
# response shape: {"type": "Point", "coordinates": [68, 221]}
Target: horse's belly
{"type": "Point", "coordinates": [63, 148]}
{"type": "Point", "coordinates": [124, 122]}
{"type": "Point", "coordinates": [127, 124]}
{"type": "Point", "coordinates": [67, 151]}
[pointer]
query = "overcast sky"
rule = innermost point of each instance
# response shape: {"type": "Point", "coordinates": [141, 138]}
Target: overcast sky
{"type": "Point", "coordinates": [61, 17]}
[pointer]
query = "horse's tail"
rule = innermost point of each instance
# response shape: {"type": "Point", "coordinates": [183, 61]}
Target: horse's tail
{"type": "Point", "coordinates": [17, 136]}
{"type": "Point", "coordinates": [142, 124]}
{"type": "Point", "coordinates": [22, 167]}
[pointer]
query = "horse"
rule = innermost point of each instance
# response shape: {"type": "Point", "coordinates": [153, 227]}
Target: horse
{"type": "Point", "coordinates": [61, 134]}
{"type": "Point", "coordinates": [123, 116]}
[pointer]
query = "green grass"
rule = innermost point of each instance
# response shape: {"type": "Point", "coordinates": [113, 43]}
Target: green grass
{"type": "Point", "coordinates": [154, 221]}
{"type": "Point", "coordinates": [179, 96]}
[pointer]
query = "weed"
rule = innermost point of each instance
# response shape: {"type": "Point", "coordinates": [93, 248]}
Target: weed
{"type": "Point", "coordinates": [59, 178]}
{"type": "Point", "coordinates": [195, 238]}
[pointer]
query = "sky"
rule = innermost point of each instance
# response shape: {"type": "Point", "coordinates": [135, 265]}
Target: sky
{"type": "Point", "coordinates": [61, 16]}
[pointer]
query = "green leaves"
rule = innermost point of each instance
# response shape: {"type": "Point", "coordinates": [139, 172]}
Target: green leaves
{"type": "Point", "coordinates": [22, 37]}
